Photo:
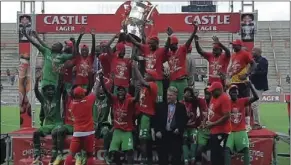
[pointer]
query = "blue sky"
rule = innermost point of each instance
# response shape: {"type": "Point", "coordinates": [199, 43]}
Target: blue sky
{"type": "Point", "coordinates": [268, 11]}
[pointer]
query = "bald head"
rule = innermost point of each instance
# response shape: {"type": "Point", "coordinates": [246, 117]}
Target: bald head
{"type": "Point", "coordinates": [257, 52]}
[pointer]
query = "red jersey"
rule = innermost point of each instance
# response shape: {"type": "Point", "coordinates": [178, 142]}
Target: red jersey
{"type": "Point", "coordinates": [195, 112]}
{"type": "Point", "coordinates": [68, 72]}
{"type": "Point", "coordinates": [239, 61]}
{"type": "Point", "coordinates": [177, 63]}
{"type": "Point", "coordinates": [121, 68]}
{"type": "Point", "coordinates": [69, 120]}
{"type": "Point", "coordinates": [217, 65]}
{"type": "Point", "coordinates": [147, 99]}
{"type": "Point", "coordinates": [123, 113]}
{"type": "Point", "coordinates": [154, 60]}
{"type": "Point", "coordinates": [83, 114]}
{"type": "Point", "coordinates": [237, 117]}
{"type": "Point", "coordinates": [105, 60]}
{"type": "Point", "coordinates": [83, 68]}
{"type": "Point", "coordinates": [218, 107]}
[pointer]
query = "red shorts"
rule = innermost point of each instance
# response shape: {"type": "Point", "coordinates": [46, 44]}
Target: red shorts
{"type": "Point", "coordinates": [86, 143]}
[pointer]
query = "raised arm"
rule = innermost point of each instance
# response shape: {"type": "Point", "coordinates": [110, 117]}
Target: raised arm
{"type": "Point", "coordinates": [38, 46]}
{"type": "Point", "coordinates": [35, 34]}
{"type": "Point", "coordinates": [93, 42]}
{"type": "Point", "coordinates": [198, 47]}
{"type": "Point", "coordinates": [74, 45]}
{"type": "Point", "coordinates": [226, 50]}
{"type": "Point", "coordinates": [112, 40]}
{"type": "Point", "coordinates": [79, 39]}
{"type": "Point", "coordinates": [167, 44]}
{"type": "Point", "coordinates": [96, 86]}
{"type": "Point", "coordinates": [60, 84]}
{"type": "Point", "coordinates": [137, 92]}
{"type": "Point", "coordinates": [138, 75]}
{"type": "Point", "coordinates": [133, 41]}
{"type": "Point", "coordinates": [254, 97]}
{"type": "Point", "coordinates": [108, 94]}
{"type": "Point", "coordinates": [189, 41]}
{"type": "Point", "coordinates": [38, 95]}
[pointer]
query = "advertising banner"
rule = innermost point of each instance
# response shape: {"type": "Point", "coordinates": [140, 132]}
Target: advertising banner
{"type": "Point", "coordinates": [72, 23]}
{"type": "Point", "coordinates": [24, 71]}
{"type": "Point", "coordinates": [272, 98]}
{"type": "Point", "coordinates": [260, 149]}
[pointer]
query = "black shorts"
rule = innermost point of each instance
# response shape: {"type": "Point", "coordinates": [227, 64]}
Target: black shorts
{"type": "Point", "coordinates": [217, 146]}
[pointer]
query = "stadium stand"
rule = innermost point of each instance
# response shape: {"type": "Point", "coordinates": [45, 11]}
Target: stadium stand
{"type": "Point", "coordinates": [271, 37]}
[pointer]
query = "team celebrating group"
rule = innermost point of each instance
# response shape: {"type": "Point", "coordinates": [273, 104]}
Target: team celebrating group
{"type": "Point", "coordinates": [139, 104]}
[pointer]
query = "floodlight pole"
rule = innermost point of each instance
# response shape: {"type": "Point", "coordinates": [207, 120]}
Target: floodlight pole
{"type": "Point", "coordinates": [290, 59]}
{"type": "Point", "coordinates": [32, 62]}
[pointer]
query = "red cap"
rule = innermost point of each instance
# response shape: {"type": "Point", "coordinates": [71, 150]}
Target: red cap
{"type": "Point", "coordinates": [120, 47]}
{"type": "Point", "coordinates": [69, 43]}
{"type": "Point", "coordinates": [215, 85]}
{"type": "Point", "coordinates": [216, 46]}
{"type": "Point", "coordinates": [237, 42]}
{"type": "Point", "coordinates": [174, 40]}
{"type": "Point", "coordinates": [155, 38]}
{"type": "Point", "coordinates": [79, 92]}
{"type": "Point", "coordinates": [84, 46]}
{"type": "Point", "coordinates": [152, 73]}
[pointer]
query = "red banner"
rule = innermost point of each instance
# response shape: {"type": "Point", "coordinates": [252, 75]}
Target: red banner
{"type": "Point", "coordinates": [111, 23]}
{"type": "Point", "coordinates": [24, 85]}
{"type": "Point", "coordinates": [261, 152]}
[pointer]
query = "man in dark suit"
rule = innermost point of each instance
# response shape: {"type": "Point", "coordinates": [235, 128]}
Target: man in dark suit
{"type": "Point", "coordinates": [259, 78]}
{"type": "Point", "coordinates": [169, 124]}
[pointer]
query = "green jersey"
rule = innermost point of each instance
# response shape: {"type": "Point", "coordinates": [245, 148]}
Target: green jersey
{"type": "Point", "coordinates": [53, 62]}
{"type": "Point", "coordinates": [51, 110]}
{"type": "Point", "coordinates": [101, 111]}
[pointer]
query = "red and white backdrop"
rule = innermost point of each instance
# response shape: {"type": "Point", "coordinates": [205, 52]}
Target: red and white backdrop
{"type": "Point", "coordinates": [72, 23]}
{"type": "Point", "coordinates": [261, 149]}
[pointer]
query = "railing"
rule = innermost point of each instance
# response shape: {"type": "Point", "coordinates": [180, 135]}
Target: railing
{"type": "Point", "coordinates": [275, 59]}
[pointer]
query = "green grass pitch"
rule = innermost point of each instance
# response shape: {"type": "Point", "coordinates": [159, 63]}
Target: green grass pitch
{"type": "Point", "coordinates": [273, 115]}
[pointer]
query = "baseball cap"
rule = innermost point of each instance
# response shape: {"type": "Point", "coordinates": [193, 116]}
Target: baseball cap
{"type": "Point", "coordinates": [215, 85]}
{"type": "Point", "coordinates": [69, 43]}
{"type": "Point", "coordinates": [155, 38]}
{"type": "Point", "coordinates": [216, 46]}
{"type": "Point", "coordinates": [233, 87]}
{"type": "Point", "coordinates": [84, 46]}
{"type": "Point", "coordinates": [79, 91]}
{"type": "Point", "coordinates": [174, 40]}
{"type": "Point", "coordinates": [237, 42]}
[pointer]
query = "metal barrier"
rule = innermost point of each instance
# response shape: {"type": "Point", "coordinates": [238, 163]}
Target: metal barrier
{"type": "Point", "coordinates": [275, 59]}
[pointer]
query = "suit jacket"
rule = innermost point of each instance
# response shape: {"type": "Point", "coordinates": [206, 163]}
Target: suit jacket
{"type": "Point", "coordinates": [160, 119]}
{"type": "Point", "coordinates": [260, 76]}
